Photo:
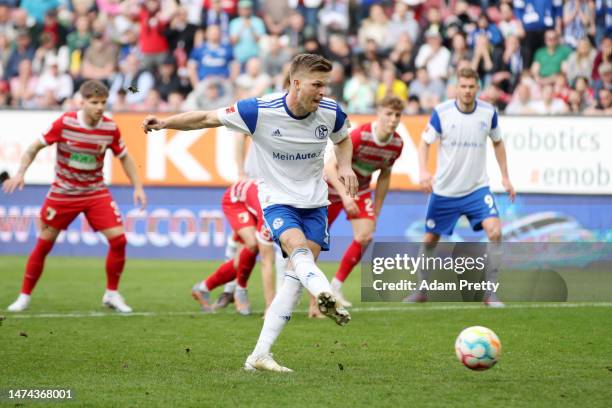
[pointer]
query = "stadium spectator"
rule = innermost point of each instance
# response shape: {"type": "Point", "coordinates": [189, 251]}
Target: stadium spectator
{"type": "Point", "coordinates": [549, 105]}
{"type": "Point", "coordinates": [228, 6]}
{"type": "Point", "coordinates": [376, 27]}
{"type": "Point", "coordinates": [212, 58]}
{"type": "Point", "coordinates": [391, 85]}
{"type": "Point", "coordinates": [403, 22]}
{"type": "Point", "coordinates": [587, 94]}
{"type": "Point", "coordinates": [333, 18]}
{"type": "Point", "coordinates": [459, 51]}
{"type": "Point", "coordinates": [166, 80]}
{"type": "Point", "coordinates": [38, 9]}
{"type": "Point", "coordinates": [403, 57]}
{"type": "Point", "coordinates": [509, 25]}
{"type": "Point", "coordinates": [77, 42]}
{"type": "Point", "coordinates": [485, 28]}
{"type": "Point", "coordinates": [547, 61]}
{"type": "Point", "coordinates": [359, 92]}
{"type": "Point", "coordinates": [5, 52]}
{"type": "Point", "coordinates": [254, 82]}
{"type": "Point", "coordinates": [45, 51]}
{"type": "Point", "coordinates": [336, 83]}
{"type": "Point", "coordinates": [578, 21]}
{"type": "Point", "coordinates": [152, 40]}
{"type": "Point", "coordinates": [175, 102]}
{"type": "Point", "coordinates": [370, 56]}
{"type": "Point", "coordinates": [297, 32]}
{"type": "Point", "coordinates": [521, 102]}
{"type": "Point", "coordinates": [605, 77]}
{"type": "Point", "coordinates": [180, 33]}
{"type": "Point", "coordinates": [430, 91]}
{"type": "Point", "coordinates": [580, 62]}
{"type": "Point", "coordinates": [211, 93]}
{"type": "Point", "coordinates": [537, 17]}
{"type": "Point", "coordinates": [510, 65]}
{"type": "Point", "coordinates": [434, 56]}
{"type": "Point", "coordinates": [603, 19]}
{"type": "Point", "coordinates": [100, 60]}
{"type": "Point", "coordinates": [276, 56]}
{"type": "Point", "coordinates": [245, 31]}
{"type": "Point", "coordinates": [53, 28]}
{"type": "Point", "coordinates": [216, 15]}
{"type": "Point", "coordinates": [131, 77]}
{"type": "Point", "coordinates": [604, 54]}
{"type": "Point", "coordinates": [482, 60]}
{"type": "Point", "coordinates": [413, 107]}
{"type": "Point", "coordinates": [7, 28]}
{"type": "Point", "coordinates": [339, 50]}
{"type": "Point", "coordinates": [575, 103]}
{"type": "Point", "coordinates": [5, 94]}
{"type": "Point", "coordinates": [275, 15]}
{"type": "Point", "coordinates": [53, 87]}
{"type": "Point", "coordinates": [23, 87]}
{"type": "Point", "coordinates": [603, 105]}
{"type": "Point", "coordinates": [23, 51]}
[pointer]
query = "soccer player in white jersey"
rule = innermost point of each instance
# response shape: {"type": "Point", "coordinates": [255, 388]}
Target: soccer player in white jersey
{"type": "Point", "coordinates": [289, 135]}
{"type": "Point", "coordinates": [461, 185]}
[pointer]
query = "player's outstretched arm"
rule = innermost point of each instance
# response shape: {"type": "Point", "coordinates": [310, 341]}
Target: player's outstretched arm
{"type": "Point", "coordinates": [500, 156]}
{"type": "Point", "coordinates": [382, 188]}
{"type": "Point", "coordinates": [344, 157]}
{"type": "Point", "coordinates": [183, 121]}
{"type": "Point", "coordinates": [16, 181]}
{"type": "Point", "coordinates": [129, 167]}
{"type": "Point", "coordinates": [426, 181]}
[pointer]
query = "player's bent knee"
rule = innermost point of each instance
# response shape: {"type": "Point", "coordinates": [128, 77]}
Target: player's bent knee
{"type": "Point", "coordinates": [118, 243]}
{"type": "Point", "coordinates": [364, 239]}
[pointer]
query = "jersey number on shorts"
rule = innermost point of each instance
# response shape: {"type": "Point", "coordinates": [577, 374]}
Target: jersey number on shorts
{"type": "Point", "coordinates": [369, 206]}
{"type": "Point", "coordinates": [50, 214]}
{"type": "Point", "coordinates": [116, 210]}
{"type": "Point", "coordinates": [488, 199]}
{"type": "Point", "coordinates": [243, 217]}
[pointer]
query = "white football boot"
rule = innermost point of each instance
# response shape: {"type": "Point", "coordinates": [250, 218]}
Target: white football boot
{"type": "Point", "coordinates": [264, 362]}
{"type": "Point", "coordinates": [114, 300]}
{"type": "Point", "coordinates": [330, 308]}
{"type": "Point", "coordinates": [21, 304]}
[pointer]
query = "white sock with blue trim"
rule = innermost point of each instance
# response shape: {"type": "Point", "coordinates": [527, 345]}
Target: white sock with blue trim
{"type": "Point", "coordinates": [279, 313]}
{"type": "Point", "coordinates": [309, 273]}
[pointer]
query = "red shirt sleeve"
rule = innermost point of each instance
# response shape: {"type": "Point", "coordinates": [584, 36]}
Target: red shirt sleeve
{"type": "Point", "coordinates": [54, 133]}
{"type": "Point", "coordinates": [118, 146]}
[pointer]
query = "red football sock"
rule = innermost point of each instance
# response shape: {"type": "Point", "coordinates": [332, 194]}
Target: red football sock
{"type": "Point", "coordinates": [115, 261]}
{"type": "Point", "coordinates": [35, 265]}
{"type": "Point", "coordinates": [351, 257]}
{"type": "Point", "coordinates": [246, 263]}
{"type": "Point", "coordinates": [224, 273]}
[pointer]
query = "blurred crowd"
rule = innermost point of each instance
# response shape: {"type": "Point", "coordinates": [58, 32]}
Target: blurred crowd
{"type": "Point", "coordinates": [533, 56]}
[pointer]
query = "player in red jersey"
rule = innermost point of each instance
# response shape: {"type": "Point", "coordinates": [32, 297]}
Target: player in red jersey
{"type": "Point", "coordinates": [376, 146]}
{"type": "Point", "coordinates": [241, 206]}
{"type": "Point", "coordinates": [82, 139]}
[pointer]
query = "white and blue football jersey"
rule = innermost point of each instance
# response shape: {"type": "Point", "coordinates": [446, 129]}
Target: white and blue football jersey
{"type": "Point", "coordinates": [289, 149]}
{"type": "Point", "coordinates": [462, 156]}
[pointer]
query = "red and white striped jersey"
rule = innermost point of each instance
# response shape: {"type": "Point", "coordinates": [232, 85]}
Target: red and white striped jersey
{"type": "Point", "coordinates": [370, 155]}
{"type": "Point", "coordinates": [80, 155]}
{"type": "Point", "coordinates": [246, 191]}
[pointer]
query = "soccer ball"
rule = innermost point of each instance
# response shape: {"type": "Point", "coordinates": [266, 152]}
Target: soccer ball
{"type": "Point", "coordinates": [478, 348]}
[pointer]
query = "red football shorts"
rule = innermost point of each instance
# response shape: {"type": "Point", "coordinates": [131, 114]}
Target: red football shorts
{"type": "Point", "coordinates": [363, 201]}
{"type": "Point", "coordinates": [101, 212]}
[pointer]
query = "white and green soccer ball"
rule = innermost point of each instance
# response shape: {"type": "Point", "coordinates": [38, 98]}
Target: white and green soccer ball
{"type": "Point", "coordinates": [478, 348]}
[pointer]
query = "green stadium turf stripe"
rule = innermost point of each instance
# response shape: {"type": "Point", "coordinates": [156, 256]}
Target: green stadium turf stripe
{"type": "Point", "coordinates": [373, 309]}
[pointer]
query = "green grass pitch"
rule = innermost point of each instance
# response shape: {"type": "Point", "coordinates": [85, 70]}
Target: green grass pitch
{"type": "Point", "coordinates": [170, 355]}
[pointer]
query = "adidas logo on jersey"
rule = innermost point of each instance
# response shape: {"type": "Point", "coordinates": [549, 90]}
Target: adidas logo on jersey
{"type": "Point", "coordinates": [276, 133]}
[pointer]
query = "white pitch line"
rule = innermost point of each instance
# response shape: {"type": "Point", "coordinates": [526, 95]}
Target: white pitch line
{"type": "Point", "coordinates": [372, 309]}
